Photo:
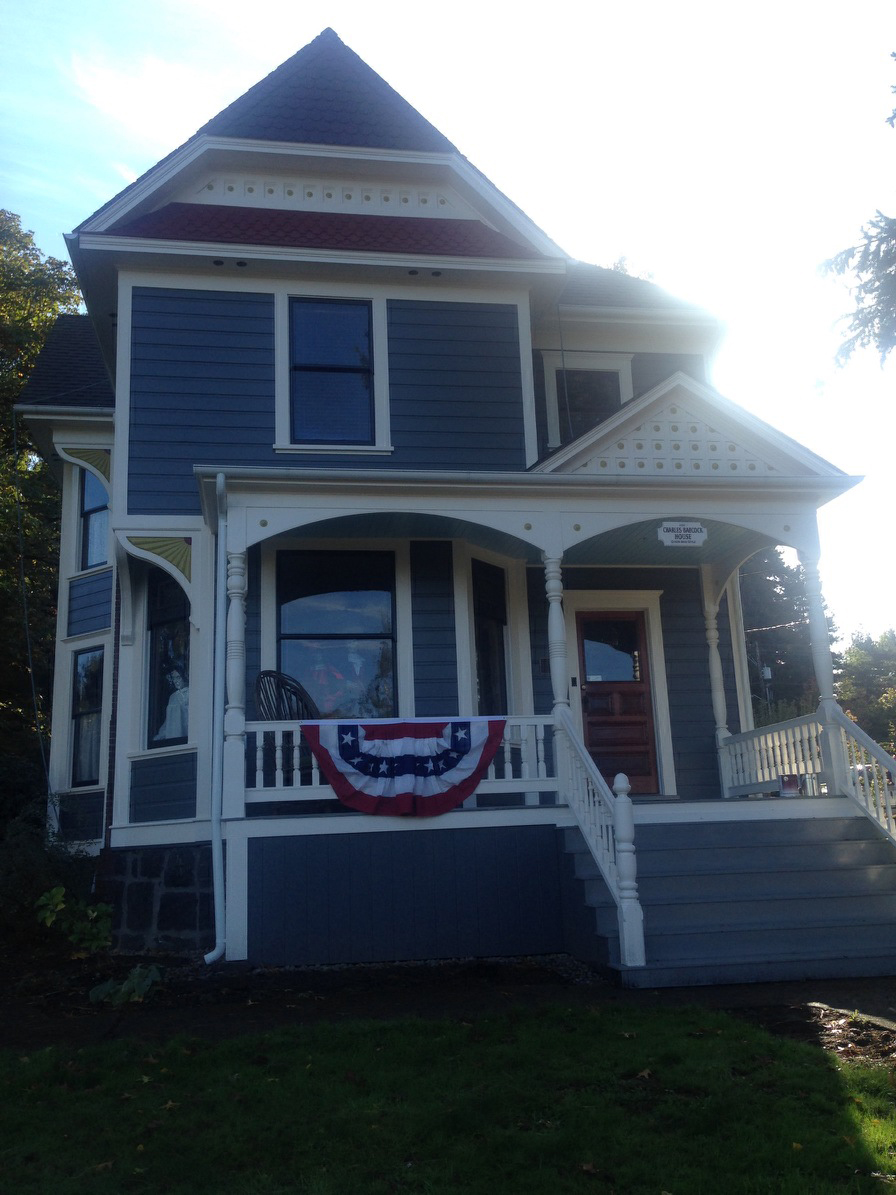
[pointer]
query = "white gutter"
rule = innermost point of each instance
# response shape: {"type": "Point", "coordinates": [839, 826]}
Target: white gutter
{"type": "Point", "coordinates": [218, 722]}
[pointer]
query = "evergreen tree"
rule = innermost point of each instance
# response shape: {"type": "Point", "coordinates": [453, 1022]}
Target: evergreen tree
{"type": "Point", "coordinates": [34, 289]}
{"type": "Point", "coordinates": [866, 686]}
{"type": "Point", "coordinates": [872, 264]}
{"type": "Point", "coordinates": [779, 650]}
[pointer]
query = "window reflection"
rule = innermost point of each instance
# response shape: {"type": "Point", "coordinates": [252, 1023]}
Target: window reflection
{"type": "Point", "coordinates": [336, 631]}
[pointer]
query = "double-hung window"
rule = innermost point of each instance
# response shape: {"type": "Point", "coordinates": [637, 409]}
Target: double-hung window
{"type": "Point", "coordinates": [331, 372]}
{"type": "Point", "coordinates": [94, 503]}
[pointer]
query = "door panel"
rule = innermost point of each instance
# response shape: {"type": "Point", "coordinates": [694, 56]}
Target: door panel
{"type": "Point", "coordinates": [617, 707]}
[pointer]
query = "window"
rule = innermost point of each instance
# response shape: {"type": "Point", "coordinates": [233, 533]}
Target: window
{"type": "Point", "coordinates": [582, 390]}
{"type": "Point", "coordinates": [336, 620]}
{"type": "Point", "coordinates": [168, 619]}
{"type": "Point", "coordinates": [94, 521]}
{"type": "Point", "coordinates": [331, 372]}
{"type": "Point", "coordinates": [87, 702]}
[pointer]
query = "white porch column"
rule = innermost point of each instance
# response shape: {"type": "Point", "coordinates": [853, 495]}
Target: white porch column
{"type": "Point", "coordinates": [553, 583]}
{"type": "Point", "coordinates": [716, 675]}
{"type": "Point", "coordinates": [835, 761]}
{"type": "Point", "coordinates": [235, 676]}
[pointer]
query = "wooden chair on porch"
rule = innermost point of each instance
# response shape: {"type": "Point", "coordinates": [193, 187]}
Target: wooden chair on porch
{"type": "Point", "coordinates": [280, 698]}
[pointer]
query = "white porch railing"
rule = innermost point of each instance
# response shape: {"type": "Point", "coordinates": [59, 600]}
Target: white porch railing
{"type": "Point", "coordinates": [607, 824]}
{"type": "Point", "coordinates": [827, 751]}
{"type": "Point", "coordinates": [755, 761]}
{"type": "Point", "coordinates": [281, 768]}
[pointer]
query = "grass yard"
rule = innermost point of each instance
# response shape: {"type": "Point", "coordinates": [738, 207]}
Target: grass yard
{"type": "Point", "coordinates": [603, 1099]}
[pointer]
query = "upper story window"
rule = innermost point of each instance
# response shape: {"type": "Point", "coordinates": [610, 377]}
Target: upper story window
{"type": "Point", "coordinates": [331, 372]}
{"type": "Point", "coordinates": [582, 390]}
{"type": "Point", "coordinates": [94, 502]}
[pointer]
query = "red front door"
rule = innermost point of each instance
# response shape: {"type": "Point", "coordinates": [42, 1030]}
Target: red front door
{"type": "Point", "coordinates": [617, 707]}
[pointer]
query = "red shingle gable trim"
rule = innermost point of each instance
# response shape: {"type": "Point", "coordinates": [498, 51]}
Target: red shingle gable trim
{"type": "Point", "coordinates": [341, 231]}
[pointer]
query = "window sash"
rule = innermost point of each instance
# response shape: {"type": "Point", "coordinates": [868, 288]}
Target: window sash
{"type": "Point", "coordinates": [331, 371]}
{"type": "Point", "coordinates": [87, 702]}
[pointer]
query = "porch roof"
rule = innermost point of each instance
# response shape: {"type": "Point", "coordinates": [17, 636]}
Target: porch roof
{"type": "Point", "coordinates": [606, 521]}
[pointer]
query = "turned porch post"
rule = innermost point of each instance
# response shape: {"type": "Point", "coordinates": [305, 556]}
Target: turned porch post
{"type": "Point", "coordinates": [553, 584]}
{"type": "Point", "coordinates": [835, 761]}
{"type": "Point", "coordinates": [235, 677]}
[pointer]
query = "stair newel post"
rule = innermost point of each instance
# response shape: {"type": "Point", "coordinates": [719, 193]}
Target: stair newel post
{"type": "Point", "coordinates": [631, 915]}
{"type": "Point", "coordinates": [553, 584]}
{"type": "Point", "coordinates": [835, 762]}
{"type": "Point", "coordinates": [235, 679]}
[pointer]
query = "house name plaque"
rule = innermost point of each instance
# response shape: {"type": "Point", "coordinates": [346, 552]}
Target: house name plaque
{"type": "Point", "coordinates": [678, 533]}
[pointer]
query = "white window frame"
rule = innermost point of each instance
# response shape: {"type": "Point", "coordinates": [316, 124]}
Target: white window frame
{"type": "Point", "coordinates": [552, 359]}
{"type": "Point", "coordinates": [381, 443]}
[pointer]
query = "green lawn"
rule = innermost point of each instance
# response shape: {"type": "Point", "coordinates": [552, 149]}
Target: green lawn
{"type": "Point", "coordinates": [554, 1100]}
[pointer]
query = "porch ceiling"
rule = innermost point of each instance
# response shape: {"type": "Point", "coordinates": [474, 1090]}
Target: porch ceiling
{"type": "Point", "coordinates": [411, 525]}
{"type": "Point", "coordinates": [634, 545]}
{"type": "Point", "coordinates": [639, 544]}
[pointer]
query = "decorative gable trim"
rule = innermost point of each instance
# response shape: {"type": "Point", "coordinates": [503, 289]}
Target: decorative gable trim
{"type": "Point", "coordinates": [683, 429]}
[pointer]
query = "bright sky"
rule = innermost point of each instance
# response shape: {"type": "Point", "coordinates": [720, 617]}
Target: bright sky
{"type": "Point", "coordinates": [724, 149]}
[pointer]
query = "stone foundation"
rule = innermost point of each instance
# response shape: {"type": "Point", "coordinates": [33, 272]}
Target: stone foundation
{"type": "Point", "coordinates": [162, 897]}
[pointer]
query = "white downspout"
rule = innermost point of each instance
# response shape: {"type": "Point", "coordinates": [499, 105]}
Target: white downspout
{"type": "Point", "coordinates": [218, 722]}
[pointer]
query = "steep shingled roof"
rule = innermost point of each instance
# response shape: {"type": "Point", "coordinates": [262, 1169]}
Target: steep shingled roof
{"type": "Point", "coordinates": [597, 286]}
{"type": "Point", "coordinates": [326, 95]}
{"type": "Point", "coordinates": [322, 230]}
{"type": "Point", "coordinates": [70, 371]}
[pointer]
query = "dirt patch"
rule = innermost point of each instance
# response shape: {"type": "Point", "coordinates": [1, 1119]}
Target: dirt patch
{"type": "Point", "coordinates": [45, 999]}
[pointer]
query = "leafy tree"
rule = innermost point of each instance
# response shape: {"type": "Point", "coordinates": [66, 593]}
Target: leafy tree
{"type": "Point", "coordinates": [34, 289]}
{"type": "Point", "coordinates": [866, 686]}
{"type": "Point", "coordinates": [872, 262]}
{"type": "Point", "coordinates": [776, 621]}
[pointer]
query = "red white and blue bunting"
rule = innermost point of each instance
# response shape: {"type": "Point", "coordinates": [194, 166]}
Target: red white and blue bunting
{"type": "Point", "coordinates": [416, 768]}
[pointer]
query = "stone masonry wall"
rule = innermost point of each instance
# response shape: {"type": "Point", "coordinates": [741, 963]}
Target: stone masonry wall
{"type": "Point", "coordinates": [162, 897]}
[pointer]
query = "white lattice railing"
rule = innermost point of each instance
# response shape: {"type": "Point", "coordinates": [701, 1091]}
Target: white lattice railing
{"type": "Point", "coordinates": [607, 824]}
{"type": "Point", "coordinates": [755, 761]}
{"type": "Point", "coordinates": [280, 767]}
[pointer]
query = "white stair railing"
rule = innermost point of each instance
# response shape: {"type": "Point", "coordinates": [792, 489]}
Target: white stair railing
{"type": "Point", "coordinates": [607, 823]}
{"type": "Point", "coordinates": [828, 753]}
{"type": "Point", "coordinates": [870, 772]}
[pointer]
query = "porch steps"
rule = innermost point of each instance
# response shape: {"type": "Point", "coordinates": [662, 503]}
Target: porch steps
{"type": "Point", "coordinates": [746, 901]}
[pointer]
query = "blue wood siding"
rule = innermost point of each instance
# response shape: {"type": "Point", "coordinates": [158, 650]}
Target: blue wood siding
{"type": "Point", "coordinates": [90, 603]}
{"type": "Point", "coordinates": [351, 898]}
{"type": "Point", "coordinates": [202, 391]}
{"type": "Point", "coordinates": [163, 787]}
{"type": "Point", "coordinates": [686, 659]}
{"type": "Point", "coordinates": [455, 385]}
{"type": "Point", "coordinates": [432, 614]}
